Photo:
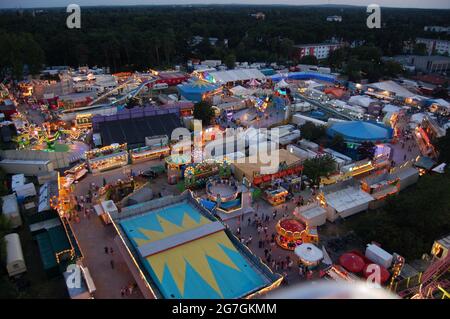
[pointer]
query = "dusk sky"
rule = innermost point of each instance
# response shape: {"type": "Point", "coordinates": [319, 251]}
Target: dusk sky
{"type": "Point", "coordinates": [445, 4]}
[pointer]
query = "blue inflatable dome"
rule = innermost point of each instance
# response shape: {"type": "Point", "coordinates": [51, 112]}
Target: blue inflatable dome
{"type": "Point", "coordinates": [358, 131]}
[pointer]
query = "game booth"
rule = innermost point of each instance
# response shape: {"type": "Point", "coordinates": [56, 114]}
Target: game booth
{"type": "Point", "coordinates": [148, 153]}
{"type": "Point", "coordinates": [276, 196]}
{"type": "Point", "coordinates": [175, 165]}
{"type": "Point", "coordinates": [308, 255]}
{"type": "Point", "coordinates": [108, 157]}
{"type": "Point", "coordinates": [291, 233]}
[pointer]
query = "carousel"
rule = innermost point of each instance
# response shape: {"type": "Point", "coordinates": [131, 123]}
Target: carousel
{"type": "Point", "coordinates": [289, 233]}
{"type": "Point", "coordinates": [225, 192]}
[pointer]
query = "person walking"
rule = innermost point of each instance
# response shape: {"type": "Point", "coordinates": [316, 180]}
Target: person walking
{"type": "Point", "coordinates": [106, 250]}
{"type": "Point", "coordinates": [112, 263]}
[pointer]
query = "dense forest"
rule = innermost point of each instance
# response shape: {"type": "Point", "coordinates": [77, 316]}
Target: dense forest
{"type": "Point", "coordinates": [138, 37]}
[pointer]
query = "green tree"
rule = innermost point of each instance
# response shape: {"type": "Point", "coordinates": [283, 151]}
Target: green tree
{"type": "Point", "coordinates": [319, 166]}
{"type": "Point", "coordinates": [203, 111]}
{"type": "Point", "coordinates": [337, 143]}
{"type": "Point", "coordinates": [366, 150]}
{"type": "Point", "coordinates": [411, 221]}
{"type": "Point", "coordinates": [443, 146]}
{"type": "Point", "coordinates": [313, 132]}
{"type": "Point", "coordinates": [392, 68]}
{"type": "Point", "coordinates": [309, 59]}
{"type": "Point", "coordinates": [420, 49]}
{"type": "Point", "coordinates": [230, 61]}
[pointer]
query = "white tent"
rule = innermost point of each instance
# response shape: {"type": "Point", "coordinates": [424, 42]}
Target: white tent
{"type": "Point", "coordinates": [361, 100]}
{"type": "Point", "coordinates": [389, 108]}
{"type": "Point", "coordinates": [282, 84]}
{"type": "Point", "coordinates": [443, 103]}
{"type": "Point", "coordinates": [417, 118]}
{"type": "Point", "coordinates": [254, 82]}
{"type": "Point", "coordinates": [440, 168]}
{"type": "Point", "coordinates": [309, 254]}
{"type": "Point", "coordinates": [239, 90]}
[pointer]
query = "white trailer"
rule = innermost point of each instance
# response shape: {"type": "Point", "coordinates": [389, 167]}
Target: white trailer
{"type": "Point", "coordinates": [28, 168]}
{"type": "Point", "coordinates": [379, 255]}
{"type": "Point", "coordinates": [15, 263]}
{"type": "Point", "coordinates": [10, 209]}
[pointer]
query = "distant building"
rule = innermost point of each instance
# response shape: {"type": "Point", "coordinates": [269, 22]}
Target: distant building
{"type": "Point", "coordinates": [196, 40]}
{"type": "Point", "coordinates": [258, 16]}
{"type": "Point", "coordinates": [320, 51]}
{"type": "Point", "coordinates": [437, 29]}
{"type": "Point", "coordinates": [334, 18]}
{"type": "Point", "coordinates": [435, 45]}
{"type": "Point", "coordinates": [431, 64]}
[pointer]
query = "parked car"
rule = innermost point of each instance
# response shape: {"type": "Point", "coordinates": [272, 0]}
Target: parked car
{"type": "Point", "coordinates": [149, 173]}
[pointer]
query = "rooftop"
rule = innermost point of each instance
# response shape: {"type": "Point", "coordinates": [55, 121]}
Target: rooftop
{"type": "Point", "coordinates": [347, 198]}
{"type": "Point", "coordinates": [135, 130]}
{"type": "Point", "coordinates": [187, 253]}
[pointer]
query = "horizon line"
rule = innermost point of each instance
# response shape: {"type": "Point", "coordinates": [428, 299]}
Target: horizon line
{"type": "Point", "coordinates": [221, 4]}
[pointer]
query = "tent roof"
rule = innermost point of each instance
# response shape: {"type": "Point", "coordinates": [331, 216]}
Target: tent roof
{"type": "Point", "coordinates": [393, 87]}
{"type": "Point", "coordinates": [236, 75]}
{"type": "Point", "coordinates": [198, 86]}
{"type": "Point", "coordinates": [361, 131]}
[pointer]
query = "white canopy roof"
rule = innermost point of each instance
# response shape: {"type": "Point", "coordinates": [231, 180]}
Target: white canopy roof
{"type": "Point", "coordinates": [393, 87]}
{"type": "Point", "coordinates": [442, 103]}
{"type": "Point", "coordinates": [239, 90]}
{"type": "Point", "coordinates": [389, 108]}
{"type": "Point", "coordinates": [282, 84]}
{"type": "Point", "coordinates": [236, 75]}
{"type": "Point", "coordinates": [417, 118]}
{"type": "Point", "coordinates": [308, 252]}
{"type": "Point", "coordinates": [254, 82]}
{"type": "Point", "coordinates": [361, 100]}
{"type": "Point", "coordinates": [440, 168]}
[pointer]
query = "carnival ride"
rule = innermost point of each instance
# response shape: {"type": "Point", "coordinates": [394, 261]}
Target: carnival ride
{"type": "Point", "coordinates": [225, 193]}
{"type": "Point", "coordinates": [292, 232]}
{"type": "Point", "coordinates": [46, 134]}
{"type": "Point", "coordinates": [433, 280]}
{"type": "Point", "coordinates": [197, 174]}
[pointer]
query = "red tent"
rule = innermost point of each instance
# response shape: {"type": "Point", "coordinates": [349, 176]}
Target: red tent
{"type": "Point", "coordinates": [384, 274]}
{"type": "Point", "coordinates": [352, 262]}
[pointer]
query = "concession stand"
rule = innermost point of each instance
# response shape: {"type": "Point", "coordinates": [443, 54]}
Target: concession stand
{"type": "Point", "coordinates": [108, 157]}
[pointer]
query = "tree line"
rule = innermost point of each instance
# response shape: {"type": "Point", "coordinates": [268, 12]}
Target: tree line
{"type": "Point", "coordinates": [131, 38]}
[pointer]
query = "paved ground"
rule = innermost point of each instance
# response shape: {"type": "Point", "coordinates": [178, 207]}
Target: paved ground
{"type": "Point", "coordinates": [263, 209]}
{"type": "Point", "coordinates": [93, 236]}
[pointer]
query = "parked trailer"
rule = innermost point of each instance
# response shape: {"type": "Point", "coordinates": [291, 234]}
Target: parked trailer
{"type": "Point", "coordinates": [15, 263]}
{"type": "Point", "coordinates": [10, 209]}
{"type": "Point", "coordinates": [28, 168]}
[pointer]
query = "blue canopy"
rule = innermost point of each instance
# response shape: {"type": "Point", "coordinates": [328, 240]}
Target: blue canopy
{"type": "Point", "coordinates": [304, 76]}
{"type": "Point", "coordinates": [358, 131]}
{"type": "Point", "coordinates": [194, 91]}
{"type": "Point", "coordinates": [209, 205]}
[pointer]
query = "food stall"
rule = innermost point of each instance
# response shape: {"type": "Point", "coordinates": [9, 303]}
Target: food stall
{"type": "Point", "coordinates": [147, 153]}
{"type": "Point", "coordinates": [276, 196]}
{"type": "Point", "coordinates": [75, 173]}
{"type": "Point", "coordinates": [175, 164]}
{"type": "Point", "coordinates": [104, 210]}
{"type": "Point", "coordinates": [108, 157]}
{"type": "Point", "coordinates": [308, 255]}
